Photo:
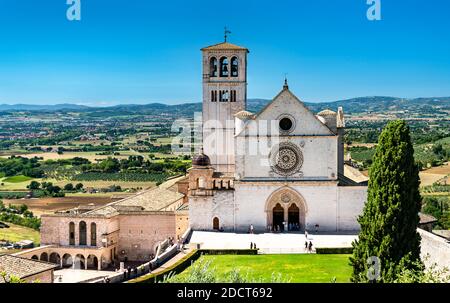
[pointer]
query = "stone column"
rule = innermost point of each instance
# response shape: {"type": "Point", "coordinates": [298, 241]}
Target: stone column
{"type": "Point", "coordinates": [85, 263]}
{"type": "Point", "coordinates": [61, 262]}
{"type": "Point", "coordinates": [286, 217]}
{"type": "Point", "coordinates": [99, 263]}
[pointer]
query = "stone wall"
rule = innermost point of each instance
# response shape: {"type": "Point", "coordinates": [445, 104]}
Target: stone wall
{"type": "Point", "coordinates": [140, 234]}
{"type": "Point", "coordinates": [350, 206]}
{"type": "Point", "coordinates": [43, 277]}
{"type": "Point", "coordinates": [436, 247]}
{"type": "Point", "coordinates": [202, 210]}
{"type": "Point", "coordinates": [333, 208]}
{"type": "Point", "coordinates": [182, 223]}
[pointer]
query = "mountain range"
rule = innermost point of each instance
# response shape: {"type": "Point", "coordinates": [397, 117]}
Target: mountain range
{"type": "Point", "coordinates": [354, 105]}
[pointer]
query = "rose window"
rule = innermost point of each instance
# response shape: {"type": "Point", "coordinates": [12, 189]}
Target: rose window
{"type": "Point", "coordinates": [287, 160]}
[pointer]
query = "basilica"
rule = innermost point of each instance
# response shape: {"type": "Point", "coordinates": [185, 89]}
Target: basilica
{"type": "Point", "coordinates": [281, 169]}
{"type": "Point", "coordinates": [278, 170]}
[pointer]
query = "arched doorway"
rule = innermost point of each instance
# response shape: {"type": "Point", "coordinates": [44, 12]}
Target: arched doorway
{"type": "Point", "coordinates": [44, 257]}
{"type": "Point", "coordinates": [55, 258]}
{"type": "Point", "coordinates": [293, 218]}
{"type": "Point", "coordinates": [34, 257]}
{"type": "Point", "coordinates": [286, 205]}
{"type": "Point", "coordinates": [67, 260]}
{"type": "Point", "coordinates": [79, 262]}
{"type": "Point", "coordinates": [216, 223]}
{"type": "Point", "coordinates": [278, 217]}
{"type": "Point", "coordinates": [92, 262]}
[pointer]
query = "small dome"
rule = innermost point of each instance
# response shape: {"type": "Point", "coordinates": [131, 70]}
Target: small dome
{"type": "Point", "coordinates": [243, 115]}
{"type": "Point", "coordinates": [327, 112]}
{"type": "Point", "coordinates": [201, 160]}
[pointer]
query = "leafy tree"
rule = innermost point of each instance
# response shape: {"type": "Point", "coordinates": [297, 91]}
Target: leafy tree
{"type": "Point", "coordinates": [110, 165]}
{"type": "Point", "coordinates": [10, 278]}
{"type": "Point", "coordinates": [68, 187]}
{"type": "Point", "coordinates": [79, 186]}
{"type": "Point", "coordinates": [432, 274]}
{"type": "Point", "coordinates": [23, 208]}
{"type": "Point", "coordinates": [34, 185]}
{"type": "Point", "coordinates": [391, 213]}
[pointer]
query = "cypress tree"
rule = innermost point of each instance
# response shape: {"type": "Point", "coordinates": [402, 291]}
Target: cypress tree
{"type": "Point", "coordinates": [391, 214]}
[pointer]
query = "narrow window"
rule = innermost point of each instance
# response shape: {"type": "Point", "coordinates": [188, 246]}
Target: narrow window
{"type": "Point", "coordinates": [71, 233]}
{"type": "Point", "coordinates": [234, 67]}
{"type": "Point", "coordinates": [224, 67]}
{"type": "Point", "coordinates": [93, 234]}
{"type": "Point", "coordinates": [225, 96]}
{"type": "Point", "coordinates": [82, 230]}
{"type": "Point", "coordinates": [213, 67]}
{"type": "Point", "coordinates": [233, 96]}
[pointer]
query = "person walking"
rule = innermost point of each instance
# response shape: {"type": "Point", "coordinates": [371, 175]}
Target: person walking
{"type": "Point", "coordinates": [310, 246]}
{"type": "Point", "coordinates": [306, 246]}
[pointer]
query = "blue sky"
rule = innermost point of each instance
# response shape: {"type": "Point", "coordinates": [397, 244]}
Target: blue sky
{"type": "Point", "coordinates": [141, 51]}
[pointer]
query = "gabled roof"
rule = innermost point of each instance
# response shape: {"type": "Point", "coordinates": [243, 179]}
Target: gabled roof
{"type": "Point", "coordinates": [224, 46]}
{"type": "Point", "coordinates": [286, 90]}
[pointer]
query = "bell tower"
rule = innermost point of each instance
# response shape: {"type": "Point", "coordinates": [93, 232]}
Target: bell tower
{"type": "Point", "coordinates": [224, 95]}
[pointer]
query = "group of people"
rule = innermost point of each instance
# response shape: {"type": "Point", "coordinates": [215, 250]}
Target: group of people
{"type": "Point", "coordinates": [308, 245]}
{"type": "Point", "coordinates": [284, 226]}
{"type": "Point", "coordinates": [252, 245]}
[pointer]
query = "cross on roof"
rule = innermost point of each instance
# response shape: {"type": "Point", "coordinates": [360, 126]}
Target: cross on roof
{"type": "Point", "coordinates": [226, 33]}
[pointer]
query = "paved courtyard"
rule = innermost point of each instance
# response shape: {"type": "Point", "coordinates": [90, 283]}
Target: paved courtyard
{"type": "Point", "coordinates": [276, 243]}
{"type": "Point", "coordinates": [69, 275]}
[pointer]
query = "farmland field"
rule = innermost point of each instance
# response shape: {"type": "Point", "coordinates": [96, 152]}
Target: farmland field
{"type": "Point", "coordinates": [429, 176]}
{"type": "Point", "coordinates": [91, 156]}
{"type": "Point", "coordinates": [50, 205]}
{"type": "Point", "coordinates": [17, 233]}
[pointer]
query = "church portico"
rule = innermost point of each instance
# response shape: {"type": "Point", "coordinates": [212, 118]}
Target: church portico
{"type": "Point", "coordinates": [286, 210]}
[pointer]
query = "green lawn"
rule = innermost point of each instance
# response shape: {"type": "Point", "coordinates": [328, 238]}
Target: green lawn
{"type": "Point", "coordinates": [17, 233]}
{"type": "Point", "coordinates": [302, 268]}
{"type": "Point", "coordinates": [17, 179]}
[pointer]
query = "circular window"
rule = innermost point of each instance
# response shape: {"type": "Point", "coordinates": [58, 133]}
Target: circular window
{"type": "Point", "coordinates": [286, 159]}
{"type": "Point", "coordinates": [286, 124]}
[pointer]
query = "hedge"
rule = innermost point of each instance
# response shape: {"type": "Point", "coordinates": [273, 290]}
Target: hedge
{"type": "Point", "coordinates": [176, 268]}
{"type": "Point", "coordinates": [334, 250]}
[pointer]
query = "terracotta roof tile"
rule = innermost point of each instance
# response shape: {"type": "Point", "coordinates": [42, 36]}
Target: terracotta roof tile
{"type": "Point", "coordinates": [22, 267]}
{"type": "Point", "coordinates": [224, 46]}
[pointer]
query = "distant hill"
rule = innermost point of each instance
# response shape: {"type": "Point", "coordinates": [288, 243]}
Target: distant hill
{"type": "Point", "coordinates": [375, 104]}
{"type": "Point", "coordinates": [31, 107]}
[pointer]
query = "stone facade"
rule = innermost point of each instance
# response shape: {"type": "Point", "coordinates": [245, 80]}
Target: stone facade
{"type": "Point", "coordinates": [125, 230]}
{"type": "Point", "coordinates": [288, 168]}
